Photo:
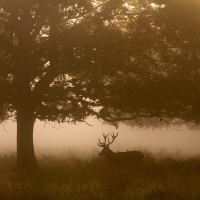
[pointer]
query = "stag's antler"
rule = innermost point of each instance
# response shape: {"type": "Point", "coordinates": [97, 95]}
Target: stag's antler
{"type": "Point", "coordinates": [103, 144]}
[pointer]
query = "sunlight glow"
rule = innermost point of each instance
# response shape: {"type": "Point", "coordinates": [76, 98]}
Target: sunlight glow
{"type": "Point", "coordinates": [154, 5]}
{"type": "Point", "coordinates": [127, 5]}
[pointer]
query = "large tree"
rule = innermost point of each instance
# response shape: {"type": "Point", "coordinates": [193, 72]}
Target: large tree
{"type": "Point", "coordinates": [64, 60]}
{"type": "Point", "coordinates": [54, 55]}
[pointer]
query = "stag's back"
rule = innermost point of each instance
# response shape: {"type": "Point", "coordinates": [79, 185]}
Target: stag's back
{"type": "Point", "coordinates": [124, 158]}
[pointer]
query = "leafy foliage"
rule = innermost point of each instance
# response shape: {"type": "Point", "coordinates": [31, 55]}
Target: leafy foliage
{"type": "Point", "coordinates": [67, 60]}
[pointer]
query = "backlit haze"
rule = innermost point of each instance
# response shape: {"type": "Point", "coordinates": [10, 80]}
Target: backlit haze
{"type": "Point", "coordinates": [82, 139]}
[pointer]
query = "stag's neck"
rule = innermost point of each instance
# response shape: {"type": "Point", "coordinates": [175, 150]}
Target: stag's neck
{"type": "Point", "coordinates": [109, 154]}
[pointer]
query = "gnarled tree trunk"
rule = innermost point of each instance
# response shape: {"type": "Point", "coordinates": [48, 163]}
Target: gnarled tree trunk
{"type": "Point", "coordinates": [25, 147]}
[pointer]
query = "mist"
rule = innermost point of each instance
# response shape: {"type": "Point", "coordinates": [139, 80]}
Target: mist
{"type": "Point", "coordinates": [82, 139]}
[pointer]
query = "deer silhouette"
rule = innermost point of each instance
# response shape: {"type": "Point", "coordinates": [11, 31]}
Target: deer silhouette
{"type": "Point", "coordinates": [119, 158]}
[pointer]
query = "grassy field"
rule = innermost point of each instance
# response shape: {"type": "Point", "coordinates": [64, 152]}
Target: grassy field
{"type": "Point", "coordinates": [73, 178]}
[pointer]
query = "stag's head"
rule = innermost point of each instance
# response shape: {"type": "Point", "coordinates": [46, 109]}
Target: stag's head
{"type": "Point", "coordinates": [106, 151]}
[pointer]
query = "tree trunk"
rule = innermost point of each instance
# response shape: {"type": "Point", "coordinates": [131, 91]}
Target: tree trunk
{"type": "Point", "coordinates": [25, 148]}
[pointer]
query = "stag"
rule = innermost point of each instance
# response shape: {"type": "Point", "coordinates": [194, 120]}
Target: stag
{"type": "Point", "coordinates": [119, 158]}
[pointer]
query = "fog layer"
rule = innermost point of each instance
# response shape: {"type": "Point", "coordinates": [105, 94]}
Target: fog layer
{"type": "Point", "coordinates": [51, 138]}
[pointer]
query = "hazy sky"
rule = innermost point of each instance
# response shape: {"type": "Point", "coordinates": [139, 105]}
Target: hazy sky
{"type": "Point", "coordinates": [82, 137]}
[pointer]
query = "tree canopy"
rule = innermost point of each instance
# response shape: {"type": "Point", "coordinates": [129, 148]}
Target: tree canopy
{"type": "Point", "coordinates": [163, 48]}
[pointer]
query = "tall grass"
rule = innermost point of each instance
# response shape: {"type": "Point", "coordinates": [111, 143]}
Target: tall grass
{"type": "Point", "coordinates": [75, 178]}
